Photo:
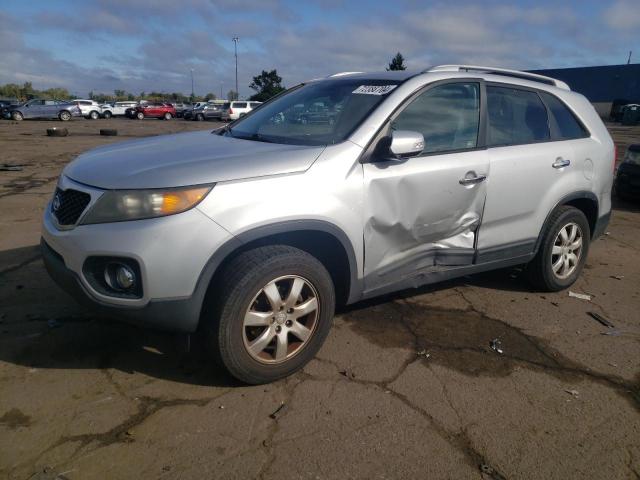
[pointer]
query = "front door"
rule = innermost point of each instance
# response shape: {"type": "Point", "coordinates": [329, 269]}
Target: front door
{"type": "Point", "coordinates": [423, 213]}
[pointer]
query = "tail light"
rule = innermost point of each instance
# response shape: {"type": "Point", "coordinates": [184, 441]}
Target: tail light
{"type": "Point", "coordinates": [231, 111]}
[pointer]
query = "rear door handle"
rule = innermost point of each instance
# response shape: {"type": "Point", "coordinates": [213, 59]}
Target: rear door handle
{"type": "Point", "coordinates": [561, 163]}
{"type": "Point", "coordinates": [473, 180]}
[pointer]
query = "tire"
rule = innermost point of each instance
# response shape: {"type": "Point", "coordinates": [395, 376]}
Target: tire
{"type": "Point", "coordinates": [64, 116]}
{"type": "Point", "coordinates": [57, 132]}
{"type": "Point", "coordinates": [140, 115]}
{"type": "Point", "coordinates": [167, 116]}
{"type": "Point", "coordinates": [108, 132]}
{"type": "Point", "coordinates": [200, 117]}
{"type": "Point", "coordinates": [541, 269]}
{"type": "Point", "coordinates": [93, 115]}
{"type": "Point", "coordinates": [107, 115]}
{"type": "Point", "coordinates": [245, 280]}
{"type": "Point", "coordinates": [17, 116]}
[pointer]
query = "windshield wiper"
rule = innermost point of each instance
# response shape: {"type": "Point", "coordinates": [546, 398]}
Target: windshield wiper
{"type": "Point", "coordinates": [254, 136]}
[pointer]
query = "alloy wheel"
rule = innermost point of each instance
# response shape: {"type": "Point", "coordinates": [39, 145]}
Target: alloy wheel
{"type": "Point", "coordinates": [281, 319]}
{"type": "Point", "coordinates": [566, 250]}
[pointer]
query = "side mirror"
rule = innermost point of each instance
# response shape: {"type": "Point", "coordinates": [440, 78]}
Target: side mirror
{"type": "Point", "coordinates": [406, 144]}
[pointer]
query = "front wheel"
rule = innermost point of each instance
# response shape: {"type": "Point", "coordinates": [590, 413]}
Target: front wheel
{"type": "Point", "coordinates": [562, 252]}
{"type": "Point", "coordinates": [94, 115]}
{"type": "Point", "coordinates": [140, 115]}
{"type": "Point", "coordinates": [274, 311]}
{"type": "Point", "coordinates": [65, 116]}
{"type": "Point", "coordinates": [200, 117]}
{"type": "Point", "coordinates": [17, 116]}
{"type": "Point", "coordinates": [107, 115]}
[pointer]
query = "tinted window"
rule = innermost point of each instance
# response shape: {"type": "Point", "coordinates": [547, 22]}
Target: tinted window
{"type": "Point", "coordinates": [515, 117]}
{"type": "Point", "coordinates": [254, 104]}
{"type": "Point", "coordinates": [567, 124]}
{"type": "Point", "coordinates": [447, 116]}
{"type": "Point", "coordinates": [240, 104]}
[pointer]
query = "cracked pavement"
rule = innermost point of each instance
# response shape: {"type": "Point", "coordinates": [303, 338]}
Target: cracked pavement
{"type": "Point", "coordinates": [406, 385]}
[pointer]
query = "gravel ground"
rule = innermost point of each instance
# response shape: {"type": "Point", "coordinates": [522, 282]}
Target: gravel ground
{"type": "Point", "coordinates": [406, 386]}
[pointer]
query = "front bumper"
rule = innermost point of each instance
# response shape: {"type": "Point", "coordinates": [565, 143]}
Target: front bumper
{"type": "Point", "coordinates": [172, 253]}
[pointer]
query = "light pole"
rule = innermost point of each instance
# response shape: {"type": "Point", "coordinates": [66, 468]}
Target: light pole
{"type": "Point", "coordinates": [192, 94]}
{"type": "Point", "coordinates": [221, 85]}
{"type": "Point", "coordinates": [235, 45]}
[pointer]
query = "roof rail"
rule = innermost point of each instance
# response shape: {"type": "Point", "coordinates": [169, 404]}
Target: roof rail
{"type": "Point", "coordinates": [534, 77]}
{"type": "Point", "coordinates": [341, 74]}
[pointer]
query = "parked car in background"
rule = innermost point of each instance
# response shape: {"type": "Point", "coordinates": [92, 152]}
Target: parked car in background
{"type": "Point", "coordinates": [250, 235]}
{"type": "Point", "coordinates": [89, 108]}
{"type": "Point", "coordinates": [627, 185]}
{"type": "Point", "coordinates": [165, 111]}
{"type": "Point", "coordinates": [317, 113]}
{"type": "Point", "coordinates": [116, 109]}
{"type": "Point", "coordinates": [208, 111]}
{"type": "Point", "coordinates": [5, 103]}
{"type": "Point", "coordinates": [43, 108]}
{"type": "Point", "coordinates": [237, 109]}
{"type": "Point", "coordinates": [181, 108]}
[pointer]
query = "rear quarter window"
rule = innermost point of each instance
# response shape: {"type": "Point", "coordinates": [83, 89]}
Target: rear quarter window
{"type": "Point", "coordinates": [240, 104]}
{"type": "Point", "coordinates": [566, 123]}
{"type": "Point", "coordinates": [516, 117]}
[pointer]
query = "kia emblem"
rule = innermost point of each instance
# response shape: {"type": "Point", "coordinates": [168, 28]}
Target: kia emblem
{"type": "Point", "coordinates": [56, 202]}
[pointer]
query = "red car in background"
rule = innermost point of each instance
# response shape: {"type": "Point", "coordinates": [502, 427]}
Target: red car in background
{"type": "Point", "coordinates": [164, 111]}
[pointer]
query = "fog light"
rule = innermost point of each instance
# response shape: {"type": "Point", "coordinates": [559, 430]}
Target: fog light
{"type": "Point", "coordinates": [119, 276]}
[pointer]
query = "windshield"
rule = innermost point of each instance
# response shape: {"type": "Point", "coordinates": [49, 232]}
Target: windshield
{"type": "Point", "coordinates": [320, 113]}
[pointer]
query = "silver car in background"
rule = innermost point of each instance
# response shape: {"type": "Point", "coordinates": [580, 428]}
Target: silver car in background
{"type": "Point", "coordinates": [43, 109]}
{"type": "Point", "coordinates": [251, 234]}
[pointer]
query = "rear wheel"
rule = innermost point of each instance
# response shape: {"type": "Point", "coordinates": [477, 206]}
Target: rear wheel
{"type": "Point", "coordinates": [17, 116]}
{"type": "Point", "coordinates": [562, 252]}
{"type": "Point", "coordinates": [168, 116]}
{"type": "Point", "coordinates": [200, 117]}
{"type": "Point", "coordinates": [93, 115]}
{"type": "Point", "coordinates": [64, 116]}
{"type": "Point", "coordinates": [273, 313]}
{"type": "Point", "coordinates": [107, 114]}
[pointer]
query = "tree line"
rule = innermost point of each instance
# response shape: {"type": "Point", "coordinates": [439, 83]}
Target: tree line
{"type": "Point", "coordinates": [266, 85]}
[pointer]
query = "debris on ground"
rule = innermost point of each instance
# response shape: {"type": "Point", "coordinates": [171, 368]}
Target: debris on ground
{"type": "Point", "coordinates": [5, 167]}
{"type": "Point", "coordinates": [573, 393]}
{"type": "Point", "coordinates": [616, 277]}
{"type": "Point", "coordinates": [279, 411]}
{"type": "Point", "coordinates": [496, 346]}
{"type": "Point", "coordinates": [423, 353]}
{"type": "Point", "coordinates": [555, 304]}
{"type": "Point", "coordinates": [347, 373]}
{"type": "Point", "coordinates": [599, 318]}
{"type": "Point", "coordinates": [581, 296]}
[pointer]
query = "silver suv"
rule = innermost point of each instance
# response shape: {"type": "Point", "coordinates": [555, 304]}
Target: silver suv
{"type": "Point", "coordinates": [251, 234]}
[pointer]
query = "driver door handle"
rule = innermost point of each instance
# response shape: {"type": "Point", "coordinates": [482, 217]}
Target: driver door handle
{"type": "Point", "coordinates": [561, 163]}
{"type": "Point", "coordinates": [473, 180]}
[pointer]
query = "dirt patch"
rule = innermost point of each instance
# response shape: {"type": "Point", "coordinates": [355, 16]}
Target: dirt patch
{"type": "Point", "coordinates": [14, 418]}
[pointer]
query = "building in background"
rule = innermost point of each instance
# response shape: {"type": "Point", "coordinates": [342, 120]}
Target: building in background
{"type": "Point", "coordinates": [601, 85]}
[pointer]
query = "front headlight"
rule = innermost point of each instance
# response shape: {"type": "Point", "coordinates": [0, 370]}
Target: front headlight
{"type": "Point", "coordinates": [123, 205]}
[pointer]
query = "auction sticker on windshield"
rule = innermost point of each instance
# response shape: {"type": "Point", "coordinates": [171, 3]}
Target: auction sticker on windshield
{"type": "Point", "coordinates": [374, 89]}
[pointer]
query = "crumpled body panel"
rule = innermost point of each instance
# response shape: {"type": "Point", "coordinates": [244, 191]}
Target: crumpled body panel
{"type": "Point", "coordinates": [418, 216]}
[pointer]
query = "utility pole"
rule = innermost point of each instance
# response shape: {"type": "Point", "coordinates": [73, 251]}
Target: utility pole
{"type": "Point", "coordinates": [629, 59]}
{"type": "Point", "coordinates": [235, 44]}
{"type": "Point", "coordinates": [221, 85]}
{"type": "Point", "coordinates": [192, 94]}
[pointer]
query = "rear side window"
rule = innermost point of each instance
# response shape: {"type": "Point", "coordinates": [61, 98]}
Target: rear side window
{"type": "Point", "coordinates": [567, 126]}
{"type": "Point", "coordinates": [240, 104]}
{"type": "Point", "coordinates": [448, 117]}
{"type": "Point", "coordinates": [516, 117]}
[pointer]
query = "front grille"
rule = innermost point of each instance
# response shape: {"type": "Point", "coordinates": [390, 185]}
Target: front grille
{"type": "Point", "coordinates": [68, 205]}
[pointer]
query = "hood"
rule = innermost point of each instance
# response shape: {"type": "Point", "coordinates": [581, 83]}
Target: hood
{"type": "Point", "coordinates": [186, 159]}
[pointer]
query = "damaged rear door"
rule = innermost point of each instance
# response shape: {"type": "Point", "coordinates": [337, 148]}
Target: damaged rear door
{"type": "Point", "coordinates": [422, 213]}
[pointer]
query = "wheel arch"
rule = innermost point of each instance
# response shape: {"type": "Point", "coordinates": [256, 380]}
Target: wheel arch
{"type": "Point", "coordinates": [585, 201]}
{"type": "Point", "coordinates": [325, 241]}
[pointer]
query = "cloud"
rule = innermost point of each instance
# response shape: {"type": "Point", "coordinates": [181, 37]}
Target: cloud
{"type": "Point", "coordinates": [623, 15]}
{"type": "Point", "coordinates": [153, 44]}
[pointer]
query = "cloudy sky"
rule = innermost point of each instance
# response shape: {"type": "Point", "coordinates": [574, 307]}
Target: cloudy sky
{"type": "Point", "coordinates": [144, 45]}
